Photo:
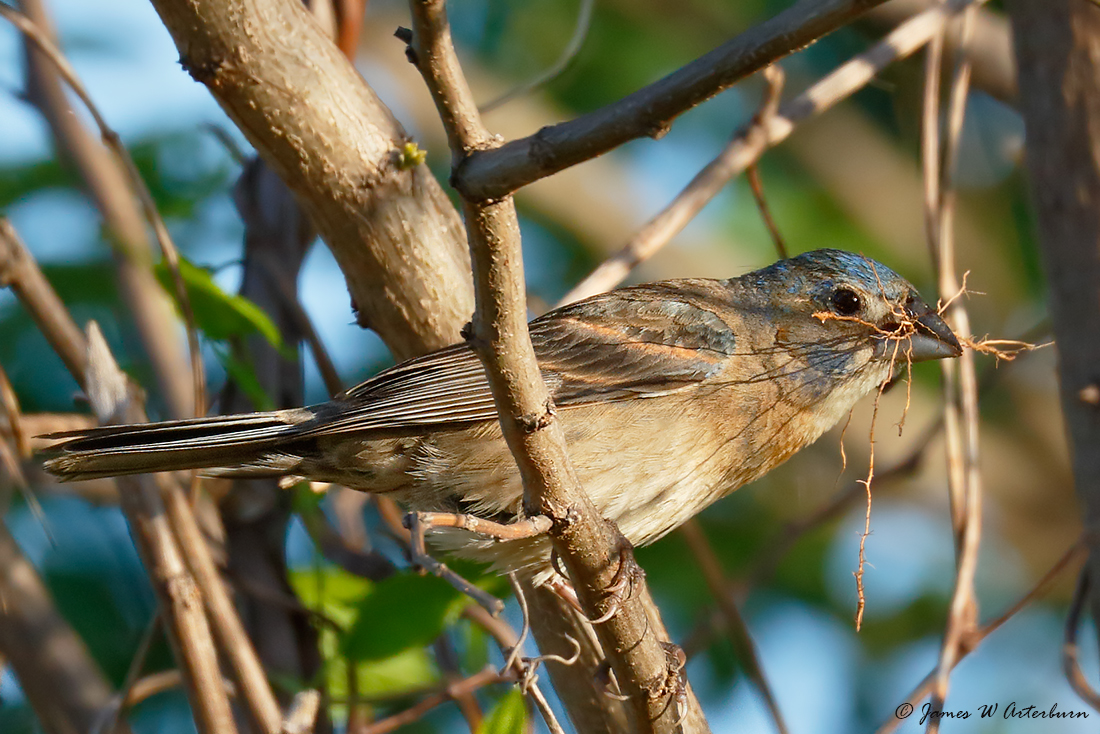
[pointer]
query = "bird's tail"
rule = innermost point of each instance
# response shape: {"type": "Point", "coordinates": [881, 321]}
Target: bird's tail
{"type": "Point", "coordinates": [196, 443]}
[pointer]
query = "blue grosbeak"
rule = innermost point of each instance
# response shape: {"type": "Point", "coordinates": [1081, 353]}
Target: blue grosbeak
{"type": "Point", "coordinates": [671, 395]}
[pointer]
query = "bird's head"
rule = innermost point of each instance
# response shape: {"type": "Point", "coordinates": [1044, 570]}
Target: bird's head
{"type": "Point", "coordinates": [847, 313]}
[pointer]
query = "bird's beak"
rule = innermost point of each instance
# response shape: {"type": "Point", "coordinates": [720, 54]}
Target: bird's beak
{"type": "Point", "coordinates": [932, 338]}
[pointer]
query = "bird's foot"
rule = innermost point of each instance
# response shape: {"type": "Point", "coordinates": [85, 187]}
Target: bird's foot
{"type": "Point", "coordinates": [419, 523]}
{"type": "Point", "coordinates": [627, 576]}
{"type": "Point", "coordinates": [675, 685]}
{"type": "Point", "coordinates": [518, 530]}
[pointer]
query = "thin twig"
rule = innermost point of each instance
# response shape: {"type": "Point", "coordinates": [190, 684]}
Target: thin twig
{"type": "Point", "coordinates": [416, 712]}
{"type": "Point", "coordinates": [493, 174]}
{"type": "Point", "coordinates": [736, 626]}
{"type": "Point", "coordinates": [303, 713]}
{"type": "Point", "coordinates": [510, 645]}
{"type": "Point", "coordinates": [580, 31]}
{"type": "Point", "coordinates": [325, 366]}
{"type": "Point", "coordinates": [861, 602]}
{"type": "Point", "coordinates": [149, 207]}
{"type": "Point", "coordinates": [1070, 665]}
{"type": "Point", "coordinates": [960, 382]}
{"type": "Point", "coordinates": [756, 186]}
{"type": "Point", "coordinates": [20, 450]}
{"type": "Point", "coordinates": [133, 672]}
{"type": "Point", "coordinates": [447, 660]}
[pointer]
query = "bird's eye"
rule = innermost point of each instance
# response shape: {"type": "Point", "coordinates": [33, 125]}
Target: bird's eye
{"type": "Point", "coordinates": [846, 302]}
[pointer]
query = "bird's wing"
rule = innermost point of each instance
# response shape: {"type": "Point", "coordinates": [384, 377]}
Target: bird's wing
{"type": "Point", "coordinates": [636, 342]}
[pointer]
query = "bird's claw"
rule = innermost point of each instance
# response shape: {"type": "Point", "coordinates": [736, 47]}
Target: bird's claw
{"type": "Point", "coordinates": [674, 686]}
{"type": "Point", "coordinates": [627, 576]}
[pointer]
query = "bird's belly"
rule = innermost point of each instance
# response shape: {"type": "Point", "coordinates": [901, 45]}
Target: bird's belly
{"type": "Point", "coordinates": [646, 486]}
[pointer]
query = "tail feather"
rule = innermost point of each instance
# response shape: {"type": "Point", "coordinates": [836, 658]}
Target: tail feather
{"type": "Point", "coordinates": [196, 443]}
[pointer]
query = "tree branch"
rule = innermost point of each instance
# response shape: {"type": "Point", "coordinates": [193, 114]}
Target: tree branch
{"type": "Point", "coordinates": [591, 548]}
{"type": "Point", "coordinates": [109, 188]}
{"type": "Point", "coordinates": [331, 140]}
{"type": "Point", "coordinates": [1058, 56]}
{"type": "Point", "coordinates": [492, 174]}
{"type": "Point", "coordinates": [769, 128]}
{"type": "Point", "coordinates": [54, 668]}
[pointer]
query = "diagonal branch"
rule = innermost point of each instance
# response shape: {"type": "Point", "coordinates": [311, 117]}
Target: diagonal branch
{"type": "Point", "coordinates": [768, 129]}
{"type": "Point", "coordinates": [649, 112]}
{"type": "Point", "coordinates": [107, 184]}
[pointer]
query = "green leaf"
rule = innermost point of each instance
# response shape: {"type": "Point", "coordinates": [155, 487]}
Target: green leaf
{"type": "Point", "coordinates": [219, 315]}
{"type": "Point", "coordinates": [509, 715]}
{"type": "Point", "coordinates": [332, 591]}
{"type": "Point", "coordinates": [480, 576]}
{"type": "Point", "coordinates": [404, 611]}
{"type": "Point", "coordinates": [404, 674]}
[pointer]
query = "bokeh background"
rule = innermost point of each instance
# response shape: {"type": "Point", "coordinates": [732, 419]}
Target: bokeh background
{"type": "Point", "coordinates": [849, 179]}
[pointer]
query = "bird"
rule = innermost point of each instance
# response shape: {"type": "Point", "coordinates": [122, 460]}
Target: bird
{"type": "Point", "coordinates": [671, 395]}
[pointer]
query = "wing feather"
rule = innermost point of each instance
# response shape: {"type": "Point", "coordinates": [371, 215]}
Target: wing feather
{"type": "Point", "coordinates": [635, 342]}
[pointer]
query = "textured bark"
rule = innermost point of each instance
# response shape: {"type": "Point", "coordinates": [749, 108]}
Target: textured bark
{"type": "Point", "coordinates": [317, 124]}
{"type": "Point", "coordinates": [1058, 55]}
{"type": "Point", "coordinates": [591, 548]}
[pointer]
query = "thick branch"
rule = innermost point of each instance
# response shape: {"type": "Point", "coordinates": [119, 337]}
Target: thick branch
{"type": "Point", "coordinates": [1058, 54]}
{"type": "Point", "coordinates": [649, 112]}
{"type": "Point", "coordinates": [326, 134]}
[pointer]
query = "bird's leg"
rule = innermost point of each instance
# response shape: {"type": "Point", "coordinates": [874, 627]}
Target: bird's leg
{"type": "Point", "coordinates": [419, 523]}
